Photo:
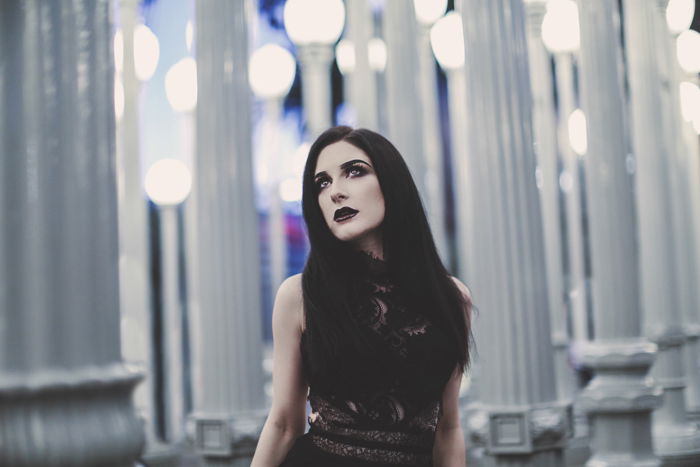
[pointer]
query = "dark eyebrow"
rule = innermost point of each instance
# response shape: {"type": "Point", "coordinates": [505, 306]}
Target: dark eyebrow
{"type": "Point", "coordinates": [344, 166]}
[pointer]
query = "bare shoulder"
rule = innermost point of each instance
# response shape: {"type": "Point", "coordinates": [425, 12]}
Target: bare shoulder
{"type": "Point", "coordinates": [288, 307]}
{"type": "Point", "coordinates": [463, 288]}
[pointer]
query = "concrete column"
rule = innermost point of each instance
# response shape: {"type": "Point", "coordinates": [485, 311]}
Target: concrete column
{"type": "Point", "coordinates": [134, 290]}
{"type": "Point", "coordinates": [227, 331]}
{"type": "Point", "coordinates": [363, 82]}
{"type": "Point", "coordinates": [65, 395]}
{"type": "Point", "coordinates": [432, 142]}
{"type": "Point", "coordinates": [173, 329]}
{"type": "Point", "coordinates": [545, 145]}
{"type": "Point", "coordinates": [684, 226]}
{"type": "Point", "coordinates": [620, 398]}
{"type": "Point", "coordinates": [459, 143]}
{"type": "Point", "coordinates": [518, 418]}
{"type": "Point", "coordinates": [675, 439]}
{"type": "Point", "coordinates": [570, 181]}
{"type": "Point", "coordinates": [276, 220]}
{"type": "Point", "coordinates": [315, 61]}
{"type": "Point", "coordinates": [404, 108]}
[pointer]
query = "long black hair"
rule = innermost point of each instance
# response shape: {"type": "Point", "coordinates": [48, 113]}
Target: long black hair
{"type": "Point", "coordinates": [330, 275]}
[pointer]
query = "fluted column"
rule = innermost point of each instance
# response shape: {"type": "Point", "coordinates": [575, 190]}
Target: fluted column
{"type": "Point", "coordinates": [404, 108]}
{"type": "Point", "coordinates": [227, 347]}
{"type": "Point", "coordinates": [686, 237]}
{"type": "Point", "coordinates": [520, 422]}
{"type": "Point", "coordinates": [363, 82]}
{"type": "Point", "coordinates": [315, 61]}
{"type": "Point", "coordinates": [134, 290]}
{"type": "Point", "coordinates": [570, 182]}
{"type": "Point", "coordinates": [545, 146]}
{"type": "Point", "coordinates": [432, 146]}
{"type": "Point", "coordinates": [674, 437]}
{"type": "Point", "coordinates": [65, 395]}
{"type": "Point", "coordinates": [619, 399]}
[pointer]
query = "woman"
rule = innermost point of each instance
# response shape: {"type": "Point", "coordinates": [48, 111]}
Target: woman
{"type": "Point", "coordinates": [374, 330]}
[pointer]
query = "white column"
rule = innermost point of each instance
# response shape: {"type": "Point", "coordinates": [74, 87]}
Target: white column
{"type": "Point", "coordinates": [134, 280]}
{"type": "Point", "coordinates": [315, 61]}
{"type": "Point", "coordinates": [276, 216]}
{"type": "Point", "coordinates": [459, 143]}
{"type": "Point", "coordinates": [570, 181]}
{"type": "Point", "coordinates": [674, 437]}
{"type": "Point", "coordinates": [620, 398]}
{"type": "Point", "coordinates": [172, 325]}
{"type": "Point", "coordinates": [227, 348]}
{"type": "Point", "coordinates": [65, 395]}
{"type": "Point", "coordinates": [545, 146]}
{"type": "Point", "coordinates": [432, 146]}
{"type": "Point", "coordinates": [684, 227]}
{"type": "Point", "coordinates": [363, 82]}
{"type": "Point", "coordinates": [518, 419]}
{"type": "Point", "coordinates": [404, 108]}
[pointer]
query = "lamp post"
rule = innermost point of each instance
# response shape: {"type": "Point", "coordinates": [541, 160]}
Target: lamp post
{"type": "Point", "coordinates": [168, 183]}
{"type": "Point", "coordinates": [620, 398]}
{"type": "Point", "coordinates": [271, 74]}
{"type": "Point", "coordinates": [229, 401]}
{"type": "Point", "coordinates": [403, 104]}
{"type": "Point", "coordinates": [517, 382]}
{"type": "Point", "coordinates": [314, 26]}
{"type": "Point", "coordinates": [427, 12]}
{"type": "Point", "coordinates": [447, 42]}
{"type": "Point", "coordinates": [678, 15]}
{"type": "Point", "coordinates": [136, 57]}
{"type": "Point", "coordinates": [560, 35]}
{"type": "Point", "coordinates": [361, 79]}
{"type": "Point", "coordinates": [674, 437]}
{"type": "Point", "coordinates": [66, 396]}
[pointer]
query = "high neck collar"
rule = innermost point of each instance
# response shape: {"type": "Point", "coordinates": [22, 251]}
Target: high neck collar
{"type": "Point", "coordinates": [374, 267]}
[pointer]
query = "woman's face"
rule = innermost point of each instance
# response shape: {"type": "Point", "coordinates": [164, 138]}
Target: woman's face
{"type": "Point", "coordinates": [349, 195]}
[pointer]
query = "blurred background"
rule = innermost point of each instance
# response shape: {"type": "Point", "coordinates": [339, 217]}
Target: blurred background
{"type": "Point", "coordinates": [151, 187]}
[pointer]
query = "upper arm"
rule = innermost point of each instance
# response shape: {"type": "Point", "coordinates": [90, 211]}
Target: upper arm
{"type": "Point", "coordinates": [449, 408]}
{"type": "Point", "coordinates": [289, 390]}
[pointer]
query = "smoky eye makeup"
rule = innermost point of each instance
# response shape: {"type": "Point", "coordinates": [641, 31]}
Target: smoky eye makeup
{"type": "Point", "coordinates": [347, 169]}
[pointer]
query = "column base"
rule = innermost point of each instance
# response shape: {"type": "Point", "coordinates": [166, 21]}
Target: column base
{"type": "Point", "coordinates": [622, 461]}
{"type": "Point", "coordinates": [77, 417]}
{"type": "Point", "coordinates": [507, 430]}
{"type": "Point", "coordinates": [225, 439]}
{"type": "Point", "coordinates": [678, 445]}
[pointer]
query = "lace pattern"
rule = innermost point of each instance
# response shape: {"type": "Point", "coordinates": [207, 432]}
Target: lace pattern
{"type": "Point", "coordinates": [339, 430]}
{"type": "Point", "coordinates": [371, 454]}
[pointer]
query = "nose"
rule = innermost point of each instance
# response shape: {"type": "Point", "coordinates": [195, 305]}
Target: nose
{"type": "Point", "coordinates": [338, 194]}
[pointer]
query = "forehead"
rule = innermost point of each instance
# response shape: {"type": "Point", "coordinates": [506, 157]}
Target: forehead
{"type": "Point", "coordinates": [333, 155]}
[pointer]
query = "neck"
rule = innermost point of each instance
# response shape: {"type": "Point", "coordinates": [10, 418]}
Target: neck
{"type": "Point", "coordinates": [372, 246]}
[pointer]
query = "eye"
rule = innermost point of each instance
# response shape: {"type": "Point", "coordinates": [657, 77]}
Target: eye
{"type": "Point", "coordinates": [356, 170]}
{"type": "Point", "coordinates": [321, 183]}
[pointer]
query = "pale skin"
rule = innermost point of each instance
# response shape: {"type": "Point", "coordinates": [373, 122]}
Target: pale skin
{"type": "Point", "coordinates": [340, 186]}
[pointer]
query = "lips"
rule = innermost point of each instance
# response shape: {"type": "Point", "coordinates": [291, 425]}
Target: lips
{"type": "Point", "coordinates": [345, 213]}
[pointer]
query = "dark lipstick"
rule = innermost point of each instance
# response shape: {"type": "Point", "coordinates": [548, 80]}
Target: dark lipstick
{"type": "Point", "coordinates": [344, 214]}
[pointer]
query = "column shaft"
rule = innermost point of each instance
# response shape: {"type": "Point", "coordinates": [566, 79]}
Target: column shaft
{"type": "Point", "coordinates": [316, 62]}
{"type": "Point", "coordinates": [134, 290]}
{"type": "Point", "coordinates": [545, 146]}
{"type": "Point", "coordinates": [570, 182]}
{"type": "Point", "coordinates": [363, 85]}
{"type": "Point", "coordinates": [619, 399]}
{"type": "Point", "coordinates": [228, 376]}
{"type": "Point", "coordinates": [65, 396]}
{"type": "Point", "coordinates": [404, 108]}
{"type": "Point", "coordinates": [432, 147]}
{"type": "Point", "coordinates": [684, 225]}
{"type": "Point", "coordinates": [517, 380]}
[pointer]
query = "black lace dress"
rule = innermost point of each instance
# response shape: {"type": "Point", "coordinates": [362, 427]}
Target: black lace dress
{"type": "Point", "coordinates": [381, 407]}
